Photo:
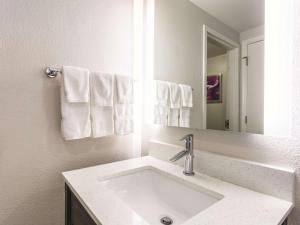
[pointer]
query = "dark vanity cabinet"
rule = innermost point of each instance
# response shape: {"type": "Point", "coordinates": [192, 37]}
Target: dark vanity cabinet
{"type": "Point", "coordinates": [75, 213]}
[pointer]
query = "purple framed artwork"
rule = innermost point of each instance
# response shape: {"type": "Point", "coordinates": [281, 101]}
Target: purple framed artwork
{"type": "Point", "coordinates": [214, 88]}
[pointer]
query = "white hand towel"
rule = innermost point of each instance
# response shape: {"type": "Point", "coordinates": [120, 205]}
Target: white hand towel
{"type": "Point", "coordinates": [76, 84]}
{"type": "Point", "coordinates": [161, 115]}
{"type": "Point", "coordinates": [124, 90]}
{"type": "Point", "coordinates": [123, 110]}
{"type": "Point", "coordinates": [123, 105]}
{"type": "Point", "coordinates": [186, 95]}
{"type": "Point", "coordinates": [102, 121]}
{"type": "Point", "coordinates": [124, 119]}
{"type": "Point", "coordinates": [75, 122]}
{"type": "Point", "coordinates": [173, 118]}
{"type": "Point", "coordinates": [102, 86]}
{"type": "Point", "coordinates": [184, 118]}
{"type": "Point", "coordinates": [161, 93]}
{"type": "Point", "coordinates": [102, 90]}
{"type": "Point", "coordinates": [175, 102]}
{"type": "Point", "coordinates": [175, 96]}
{"type": "Point", "coordinates": [161, 101]}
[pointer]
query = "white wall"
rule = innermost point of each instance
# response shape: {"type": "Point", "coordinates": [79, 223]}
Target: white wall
{"type": "Point", "coordinates": [178, 46]}
{"type": "Point", "coordinates": [270, 150]}
{"type": "Point", "coordinates": [216, 112]}
{"type": "Point", "coordinates": [96, 34]}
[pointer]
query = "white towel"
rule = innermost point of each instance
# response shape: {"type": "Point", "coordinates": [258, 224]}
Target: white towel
{"type": "Point", "coordinates": [123, 106]}
{"type": "Point", "coordinates": [175, 96]}
{"type": "Point", "coordinates": [124, 126]}
{"type": "Point", "coordinates": [186, 95]}
{"type": "Point", "coordinates": [102, 91]}
{"type": "Point", "coordinates": [75, 122]}
{"type": "Point", "coordinates": [161, 115]}
{"type": "Point", "coordinates": [102, 86]}
{"type": "Point", "coordinates": [124, 119]}
{"type": "Point", "coordinates": [175, 103]}
{"type": "Point", "coordinates": [124, 89]}
{"type": "Point", "coordinates": [76, 84]}
{"type": "Point", "coordinates": [173, 117]}
{"type": "Point", "coordinates": [186, 105]}
{"type": "Point", "coordinates": [184, 118]}
{"type": "Point", "coordinates": [161, 93]}
{"type": "Point", "coordinates": [161, 101]}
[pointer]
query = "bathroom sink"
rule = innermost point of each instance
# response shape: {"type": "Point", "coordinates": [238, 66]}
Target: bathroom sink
{"type": "Point", "coordinates": [160, 198]}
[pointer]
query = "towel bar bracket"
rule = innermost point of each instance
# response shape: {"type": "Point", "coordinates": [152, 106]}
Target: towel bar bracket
{"type": "Point", "coordinates": [52, 72]}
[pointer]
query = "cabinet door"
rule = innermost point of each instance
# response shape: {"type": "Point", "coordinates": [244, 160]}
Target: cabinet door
{"type": "Point", "coordinates": [75, 213]}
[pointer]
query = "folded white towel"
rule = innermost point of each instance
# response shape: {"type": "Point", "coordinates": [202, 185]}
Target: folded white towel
{"type": "Point", "coordinates": [123, 106]}
{"type": "Point", "coordinates": [175, 96]}
{"type": "Point", "coordinates": [161, 115]}
{"type": "Point", "coordinates": [161, 93]}
{"type": "Point", "coordinates": [102, 104]}
{"type": "Point", "coordinates": [124, 89]}
{"type": "Point", "coordinates": [102, 121]}
{"type": "Point", "coordinates": [75, 122]}
{"type": "Point", "coordinates": [123, 119]}
{"type": "Point", "coordinates": [76, 84]}
{"type": "Point", "coordinates": [186, 95]}
{"type": "Point", "coordinates": [184, 118]}
{"type": "Point", "coordinates": [161, 101]}
{"type": "Point", "coordinates": [173, 118]}
{"type": "Point", "coordinates": [102, 86]}
{"type": "Point", "coordinates": [123, 110]}
{"type": "Point", "coordinates": [124, 126]}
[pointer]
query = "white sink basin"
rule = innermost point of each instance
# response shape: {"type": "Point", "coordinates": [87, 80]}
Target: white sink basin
{"type": "Point", "coordinates": [154, 194]}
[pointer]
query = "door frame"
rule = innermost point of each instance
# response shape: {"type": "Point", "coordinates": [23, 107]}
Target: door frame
{"type": "Point", "coordinates": [244, 74]}
{"type": "Point", "coordinates": [230, 44]}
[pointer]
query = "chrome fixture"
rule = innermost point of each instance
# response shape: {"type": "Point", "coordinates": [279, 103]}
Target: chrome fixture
{"type": "Point", "coordinates": [166, 220]}
{"type": "Point", "coordinates": [188, 153]}
{"type": "Point", "coordinates": [52, 72]}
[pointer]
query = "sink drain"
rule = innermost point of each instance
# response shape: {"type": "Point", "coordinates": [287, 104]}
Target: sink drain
{"type": "Point", "coordinates": [166, 220]}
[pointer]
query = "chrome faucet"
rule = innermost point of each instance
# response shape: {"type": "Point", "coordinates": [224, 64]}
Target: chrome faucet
{"type": "Point", "coordinates": [188, 153]}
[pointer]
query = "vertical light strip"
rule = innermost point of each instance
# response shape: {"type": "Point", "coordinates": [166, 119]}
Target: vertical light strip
{"type": "Point", "coordinates": [279, 36]}
{"type": "Point", "coordinates": [149, 61]}
{"type": "Point", "coordinates": [138, 26]}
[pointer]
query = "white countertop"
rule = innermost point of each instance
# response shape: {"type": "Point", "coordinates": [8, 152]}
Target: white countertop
{"type": "Point", "coordinates": [240, 206]}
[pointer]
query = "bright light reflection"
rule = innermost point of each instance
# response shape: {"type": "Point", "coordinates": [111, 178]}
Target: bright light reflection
{"type": "Point", "coordinates": [279, 43]}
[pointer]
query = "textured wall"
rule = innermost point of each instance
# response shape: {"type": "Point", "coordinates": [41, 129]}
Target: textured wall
{"type": "Point", "coordinates": [96, 34]}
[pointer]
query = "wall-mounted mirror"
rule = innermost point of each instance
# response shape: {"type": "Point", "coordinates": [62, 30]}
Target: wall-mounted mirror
{"type": "Point", "coordinates": [217, 49]}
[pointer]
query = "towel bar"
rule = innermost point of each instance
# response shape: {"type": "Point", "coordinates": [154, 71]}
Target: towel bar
{"type": "Point", "coordinates": [52, 72]}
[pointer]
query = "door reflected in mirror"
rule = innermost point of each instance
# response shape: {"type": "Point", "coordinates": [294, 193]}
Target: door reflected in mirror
{"type": "Point", "coordinates": [216, 50]}
{"type": "Point", "coordinates": [216, 86]}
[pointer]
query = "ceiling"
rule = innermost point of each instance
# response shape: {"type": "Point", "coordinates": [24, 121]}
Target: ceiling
{"type": "Point", "coordinates": [240, 15]}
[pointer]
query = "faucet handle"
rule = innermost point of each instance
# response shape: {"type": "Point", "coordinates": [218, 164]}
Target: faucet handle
{"type": "Point", "coordinates": [187, 137]}
{"type": "Point", "coordinates": [178, 156]}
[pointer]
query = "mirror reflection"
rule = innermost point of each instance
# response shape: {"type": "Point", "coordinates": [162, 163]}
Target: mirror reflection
{"type": "Point", "coordinates": [209, 64]}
